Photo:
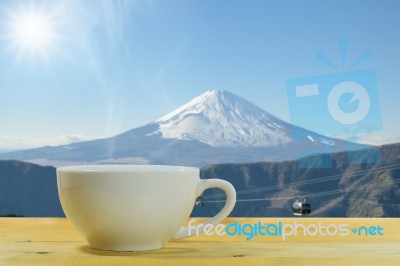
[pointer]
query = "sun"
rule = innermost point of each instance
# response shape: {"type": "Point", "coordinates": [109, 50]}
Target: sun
{"type": "Point", "coordinates": [31, 30]}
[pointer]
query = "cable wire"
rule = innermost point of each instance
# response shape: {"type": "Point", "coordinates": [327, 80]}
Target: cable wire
{"type": "Point", "coordinates": [314, 195]}
{"type": "Point", "coordinates": [306, 182]}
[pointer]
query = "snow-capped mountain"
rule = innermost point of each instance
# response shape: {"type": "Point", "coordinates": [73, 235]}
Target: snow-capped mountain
{"type": "Point", "coordinates": [222, 119]}
{"type": "Point", "coordinates": [215, 127]}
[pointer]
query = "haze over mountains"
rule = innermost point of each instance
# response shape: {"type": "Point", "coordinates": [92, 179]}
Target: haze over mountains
{"type": "Point", "coordinates": [215, 127]}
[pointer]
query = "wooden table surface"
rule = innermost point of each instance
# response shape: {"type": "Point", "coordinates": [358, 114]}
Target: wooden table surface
{"type": "Point", "coordinates": [53, 241]}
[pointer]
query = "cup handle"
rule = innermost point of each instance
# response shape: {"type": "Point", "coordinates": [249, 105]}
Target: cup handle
{"type": "Point", "coordinates": [204, 184]}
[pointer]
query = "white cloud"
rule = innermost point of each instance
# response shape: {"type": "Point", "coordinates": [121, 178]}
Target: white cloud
{"type": "Point", "coordinates": [377, 139]}
{"type": "Point", "coordinates": [18, 143]}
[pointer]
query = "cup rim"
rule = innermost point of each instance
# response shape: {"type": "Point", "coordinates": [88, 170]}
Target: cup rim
{"type": "Point", "coordinates": [142, 168]}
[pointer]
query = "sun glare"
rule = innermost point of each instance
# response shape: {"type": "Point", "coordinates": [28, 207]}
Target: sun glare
{"type": "Point", "coordinates": [31, 31]}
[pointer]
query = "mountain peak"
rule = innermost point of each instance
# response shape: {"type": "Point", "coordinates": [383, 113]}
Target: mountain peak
{"type": "Point", "coordinates": [217, 93]}
{"type": "Point", "coordinates": [221, 118]}
{"type": "Point", "coordinates": [211, 99]}
{"type": "Point", "coordinates": [210, 94]}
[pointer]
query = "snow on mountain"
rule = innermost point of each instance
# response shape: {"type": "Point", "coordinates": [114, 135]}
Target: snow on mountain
{"type": "Point", "coordinates": [222, 119]}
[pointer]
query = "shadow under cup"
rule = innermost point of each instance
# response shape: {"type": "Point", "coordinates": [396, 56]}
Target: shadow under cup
{"type": "Point", "coordinates": [133, 207]}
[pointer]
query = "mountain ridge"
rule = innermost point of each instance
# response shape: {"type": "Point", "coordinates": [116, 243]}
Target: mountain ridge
{"type": "Point", "coordinates": [29, 190]}
{"type": "Point", "coordinates": [215, 127]}
{"type": "Point", "coordinates": [344, 190]}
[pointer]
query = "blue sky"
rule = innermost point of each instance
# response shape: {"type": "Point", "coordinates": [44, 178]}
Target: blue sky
{"type": "Point", "coordinates": [100, 68]}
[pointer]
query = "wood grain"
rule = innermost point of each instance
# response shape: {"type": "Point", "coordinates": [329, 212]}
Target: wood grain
{"type": "Point", "coordinates": [53, 241]}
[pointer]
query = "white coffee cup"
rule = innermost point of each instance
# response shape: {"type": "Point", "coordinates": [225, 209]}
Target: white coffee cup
{"type": "Point", "coordinates": [134, 207]}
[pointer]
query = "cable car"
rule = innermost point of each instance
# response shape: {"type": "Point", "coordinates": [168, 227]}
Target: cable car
{"type": "Point", "coordinates": [301, 207]}
{"type": "Point", "coordinates": [199, 201]}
